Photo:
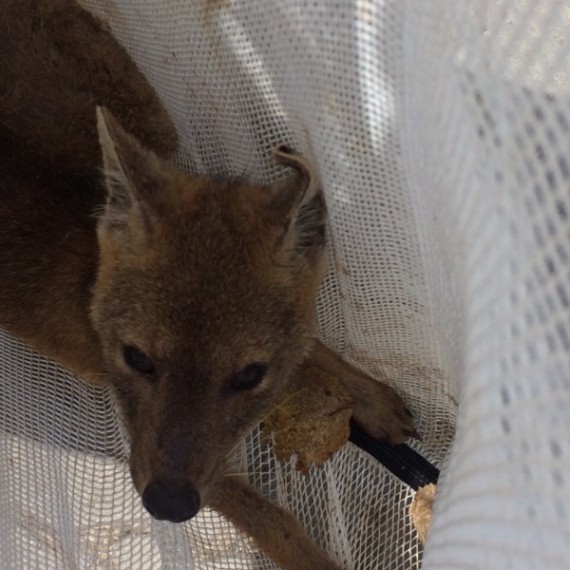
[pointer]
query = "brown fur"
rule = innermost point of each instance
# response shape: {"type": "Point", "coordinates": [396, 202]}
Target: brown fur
{"type": "Point", "coordinates": [273, 530]}
{"type": "Point", "coordinates": [204, 276]}
{"type": "Point", "coordinates": [49, 167]}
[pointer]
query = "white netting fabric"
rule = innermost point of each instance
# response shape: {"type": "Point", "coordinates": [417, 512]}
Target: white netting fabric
{"type": "Point", "coordinates": [442, 134]}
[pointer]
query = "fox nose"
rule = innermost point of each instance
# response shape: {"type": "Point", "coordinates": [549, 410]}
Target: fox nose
{"type": "Point", "coordinates": [172, 500]}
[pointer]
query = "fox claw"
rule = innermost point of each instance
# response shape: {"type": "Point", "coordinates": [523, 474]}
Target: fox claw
{"type": "Point", "coordinates": [379, 410]}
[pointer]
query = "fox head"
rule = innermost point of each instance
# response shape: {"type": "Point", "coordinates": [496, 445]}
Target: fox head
{"type": "Point", "coordinates": [204, 305]}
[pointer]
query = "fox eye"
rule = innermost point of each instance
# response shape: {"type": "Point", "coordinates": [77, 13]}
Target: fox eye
{"type": "Point", "coordinates": [138, 360]}
{"type": "Point", "coordinates": [249, 377]}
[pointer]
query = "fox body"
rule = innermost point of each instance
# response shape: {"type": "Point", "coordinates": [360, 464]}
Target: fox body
{"type": "Point", "coordinates": [194, 297]}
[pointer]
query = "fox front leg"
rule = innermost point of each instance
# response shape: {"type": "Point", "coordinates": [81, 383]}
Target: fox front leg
{"type": "Point", "coordinates": [378, 409]}
{"type": "Point", "coordinates": [275, 531]}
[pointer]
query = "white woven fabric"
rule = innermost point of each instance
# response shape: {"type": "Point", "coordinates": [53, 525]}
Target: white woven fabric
{"type": "Point", "coordinates": [442, 134]}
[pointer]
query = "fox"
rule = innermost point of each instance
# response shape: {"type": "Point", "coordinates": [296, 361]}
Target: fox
{"type": "Point", "coordinates": [192, 296]}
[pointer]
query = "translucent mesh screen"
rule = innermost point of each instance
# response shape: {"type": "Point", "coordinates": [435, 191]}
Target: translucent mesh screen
{"type": "Point", "coordinates": [442, 135]}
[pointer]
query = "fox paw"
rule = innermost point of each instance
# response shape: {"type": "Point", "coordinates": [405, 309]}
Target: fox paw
{"type": "Point", "coordinates": [381, 413]}
{"type": "Point", "coordinates": [377, 408]}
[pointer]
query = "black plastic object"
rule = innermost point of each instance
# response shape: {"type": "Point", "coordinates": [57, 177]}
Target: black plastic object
{"type": "Point", "coordinates": [408, 465]}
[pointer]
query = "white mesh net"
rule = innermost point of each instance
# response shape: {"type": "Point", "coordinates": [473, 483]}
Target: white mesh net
{"type": "Point", "coordinates": [442, 134]}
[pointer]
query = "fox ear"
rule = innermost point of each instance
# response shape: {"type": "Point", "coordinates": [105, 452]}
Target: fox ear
{"type": "Point", "coordinates": [298, 205]}
{"type": "Point", "coordinates": [132, 173]}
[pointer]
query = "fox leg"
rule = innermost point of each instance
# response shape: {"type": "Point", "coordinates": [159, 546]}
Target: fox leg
{"type": "Point", "coordinates": [378, 409]}
{"type": "Point", "coordinates": [275, 531]}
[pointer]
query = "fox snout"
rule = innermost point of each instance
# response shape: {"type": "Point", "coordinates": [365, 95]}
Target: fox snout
{"type": "Point", "coordinates": [173, 500]}
{"type": "Point", "coordinates": [173, 483]}
{"type": "Point", "coordinates": [179, 449]}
